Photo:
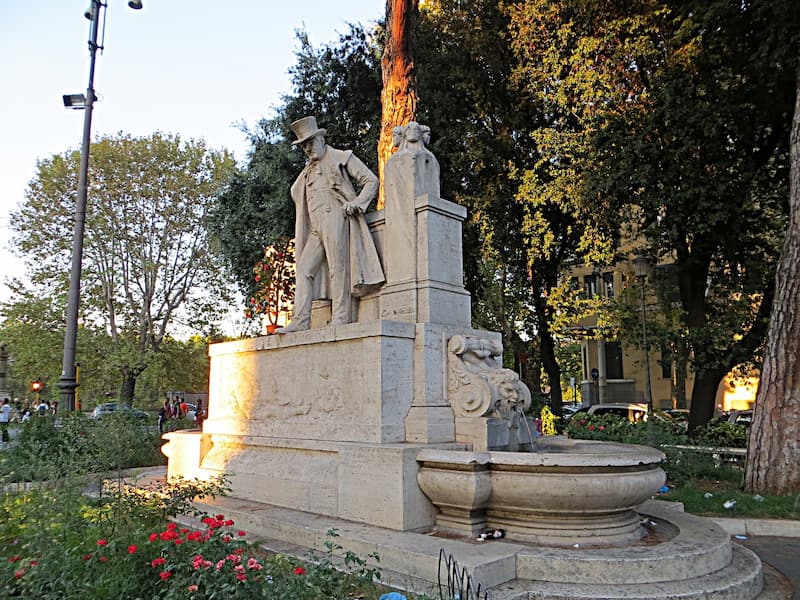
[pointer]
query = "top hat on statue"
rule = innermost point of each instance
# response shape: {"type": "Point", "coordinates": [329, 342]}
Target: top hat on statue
{"type": "Point", "coordinates": [305, 129]}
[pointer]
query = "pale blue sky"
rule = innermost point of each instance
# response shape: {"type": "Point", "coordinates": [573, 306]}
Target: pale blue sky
{"type": "Point", "coordinates": [192, 67]}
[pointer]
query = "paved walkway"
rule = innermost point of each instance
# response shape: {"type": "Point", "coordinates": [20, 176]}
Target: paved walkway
{"type": "Point", "coordinates": [782, 553]}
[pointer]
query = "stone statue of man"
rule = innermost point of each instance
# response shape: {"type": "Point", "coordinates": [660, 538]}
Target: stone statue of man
{"type": "Point", "coordinates": [336, 255]}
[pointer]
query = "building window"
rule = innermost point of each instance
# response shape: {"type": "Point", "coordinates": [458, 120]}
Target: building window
{"type": "Point", "coordinates": [590, 285]}
{"type": "Point", "coordinates": [608, 284]}
{"type": "Point", "coordinates": [614, 360]}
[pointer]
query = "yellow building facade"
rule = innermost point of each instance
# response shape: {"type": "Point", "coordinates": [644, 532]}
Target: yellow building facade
{"type": "Point", "coordinates": [614, 371]}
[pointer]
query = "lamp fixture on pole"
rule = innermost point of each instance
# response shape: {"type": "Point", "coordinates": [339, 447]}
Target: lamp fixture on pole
{"type": "Point", "coordinates": [641, 267]}
{"type": "Point", "coordinates": [67, 383]}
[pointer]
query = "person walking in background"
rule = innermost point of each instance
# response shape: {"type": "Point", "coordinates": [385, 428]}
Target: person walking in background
{"type": "Point", "coordinates": [5, 417]}
{"type": "Point", "coordinates": [167, 409]}
{"type": "Point", "coordinates": [162, 417]}
{"type": "Point", "coordinates": [199, 415]}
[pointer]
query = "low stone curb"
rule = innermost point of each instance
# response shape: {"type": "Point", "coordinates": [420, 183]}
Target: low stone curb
{"type": "Point", "coordinates": [750, 527]}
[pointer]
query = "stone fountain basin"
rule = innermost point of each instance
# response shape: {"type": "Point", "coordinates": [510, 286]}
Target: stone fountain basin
{"type": "Point", "coordinates": [567, 492]}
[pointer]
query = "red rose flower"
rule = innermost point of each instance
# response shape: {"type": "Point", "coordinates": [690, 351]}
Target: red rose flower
{"type": "Point", "coordinates": [19, 573]}
{"type": "Point", "coordinates": [602, 428]}
{"type": "Point", "coordinates": [299, 571]}
{"type": "Point", "coordinates": [591, 427]}
{"type": "Point", "coordinates": [102, 542]}
{"type": "Point", "coordinates": [165, 575]}
{"type": "Point", "coordinates": [132, 549]}
{"type": "Point", "coordinates": [153, 537]}
{"type": "Point", "coordinates": [14, 559]}
{"type": "Point", "coordinates": [87, 556]}
{"type": "Point", "coordinates": [158, 561]}
{"type": "Point", "coordinates": [103, 559]}
{"type": "Point", "coordinates": [242, 533]}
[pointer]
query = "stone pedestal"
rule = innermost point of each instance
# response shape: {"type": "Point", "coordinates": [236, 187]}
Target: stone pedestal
{"type": "Point", "coordinates": [424, 275]}
{"type": "Point", "coordinates": [330, 420]}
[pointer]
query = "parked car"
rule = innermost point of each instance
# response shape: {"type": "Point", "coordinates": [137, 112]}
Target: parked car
{"type": "Point", "coordinates": [108, 408]}
{"type": "Point", "coordinates": [567, 410]}
{"type": "Point", "coordinates": [679, 415]}
{"type": "Point", "coordinates": [740, 417]}
{"type": "Point", "coordinates": [191, 412]}
{"type": "Point", "coordinates": [632, 411]}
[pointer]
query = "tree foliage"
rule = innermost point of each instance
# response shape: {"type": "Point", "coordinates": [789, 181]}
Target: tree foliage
{"type": "Point", "coordinates": [148, 266]}
{"type": "Point", "coordinates": [340, 84]}
{"type": "Point", "coordinates": [671, 117]}
{"type": "Point", "coordinates": [569, 129]}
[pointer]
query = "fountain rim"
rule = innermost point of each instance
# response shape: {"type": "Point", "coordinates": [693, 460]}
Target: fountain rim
{"type": "Point", "coordinates": [569, 453]}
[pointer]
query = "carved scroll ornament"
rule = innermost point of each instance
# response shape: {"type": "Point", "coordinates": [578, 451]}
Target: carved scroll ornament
{"type": "Point", "coordinates": [477, 385]}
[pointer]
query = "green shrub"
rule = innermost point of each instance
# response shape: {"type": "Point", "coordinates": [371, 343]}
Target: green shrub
{"type": "Point", "coordinates": [617, 429]}
{"type": "Point", "coordinates": [58, 543]}
{"type": "Point", "coordinates": [721, 434]}
{"type": "Point", "coordinates": [50, 448]}
{"type": "Point", "coordinates": [682, 464]}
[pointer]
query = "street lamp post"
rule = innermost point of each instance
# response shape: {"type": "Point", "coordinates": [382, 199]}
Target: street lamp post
{"type": "Point", "coordinates": [641, 267]}
{"type": "Point", "coordinates": [67, 383]}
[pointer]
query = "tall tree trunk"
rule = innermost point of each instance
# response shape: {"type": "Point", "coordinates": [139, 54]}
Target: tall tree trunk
{"type": "Point", "coordinates": [773, 457]}
{"type": "Point", "coordinates": [553, 370]}
{"type": "Point", "coordinates": [679, 369]}
{"type": "Point", "coordinates": [399, 95]}
{"type": "Point", "coordinates": [128, 384]}
{"type": "Point", "coordinates": [704, 394]}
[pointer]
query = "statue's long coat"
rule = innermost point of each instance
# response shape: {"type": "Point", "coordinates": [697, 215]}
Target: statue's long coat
{"type": "Point", "coordinates": [340, 166]}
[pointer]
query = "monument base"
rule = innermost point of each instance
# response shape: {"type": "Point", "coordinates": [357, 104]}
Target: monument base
{"type": "Point", "coordinates": [327, 421]}
{"type": "Point", "coordinates": [365, 483]}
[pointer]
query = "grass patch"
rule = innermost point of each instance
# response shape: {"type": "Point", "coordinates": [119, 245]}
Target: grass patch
{"type": "Point", "coordinates": [707, 497]}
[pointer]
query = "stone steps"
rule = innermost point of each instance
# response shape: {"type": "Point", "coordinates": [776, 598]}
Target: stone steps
{"type": "Point", "coordinates": [690, 558]}
{"type": "Point", "coordinates": [739, 580]}
{"type": "Point", "coordinates": [688, 547]}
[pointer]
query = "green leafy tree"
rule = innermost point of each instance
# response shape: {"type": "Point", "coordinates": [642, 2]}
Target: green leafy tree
{"type": "Point", "coordinates": [255, 209]}
{"type": "Point", "coordinates": [672, 117]}
{"type": "Point", "coordinates": [340, 84]}
{"type": "Point", "coordinates": [31, 328]}
{"type": "Point", "coordinates": [148, 266]}
{"type": "Point", "coordinates": [180, 365]}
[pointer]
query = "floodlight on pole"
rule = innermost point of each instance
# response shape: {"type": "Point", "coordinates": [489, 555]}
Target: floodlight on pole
{"type": "Point", "coordinates": [67, 383]}
{"type": "Point", "coordinates": [74, 101]}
